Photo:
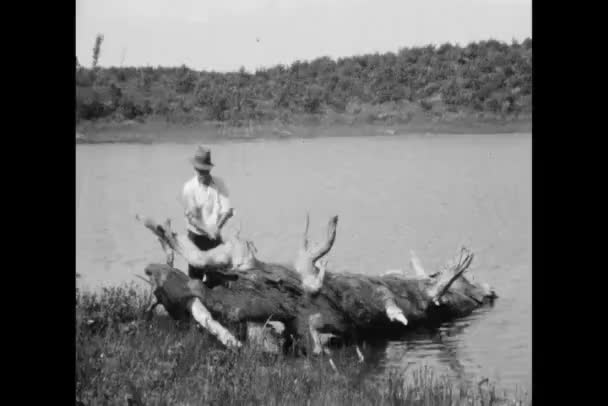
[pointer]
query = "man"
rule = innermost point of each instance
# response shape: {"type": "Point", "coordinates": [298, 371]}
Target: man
{"type": "Point", "coordinates": [206, 206]}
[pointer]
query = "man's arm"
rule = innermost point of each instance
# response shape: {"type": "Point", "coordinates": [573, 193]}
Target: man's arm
{"type": "Point", "coordinates": [191, 212]}
{"type": "Point", "coordinates": [227, 209]}
{"type": "Point", "coordinates": [224, 218]}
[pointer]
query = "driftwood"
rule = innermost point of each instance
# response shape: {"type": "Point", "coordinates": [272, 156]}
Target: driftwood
{"type": "Point", "coordinates": [313, 304]}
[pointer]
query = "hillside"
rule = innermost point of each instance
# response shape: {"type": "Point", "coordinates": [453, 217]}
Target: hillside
{"type": "Point", "coordinates": [483, 79]}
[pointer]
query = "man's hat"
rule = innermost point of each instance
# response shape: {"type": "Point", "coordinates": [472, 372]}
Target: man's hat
{"type": "Point", "coordinates": [202, 159]}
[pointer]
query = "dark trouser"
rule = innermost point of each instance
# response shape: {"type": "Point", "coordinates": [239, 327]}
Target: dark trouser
{"type": "Point", "coordinates": [203, 243]}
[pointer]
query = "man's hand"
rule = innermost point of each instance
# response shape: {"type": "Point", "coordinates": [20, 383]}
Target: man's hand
{"type": "Point", "coordinates": [191, 217]}
{"type": "Point", "coordinates": [212, 232]}
{"type": "Point", "coordinates": [194, 221]}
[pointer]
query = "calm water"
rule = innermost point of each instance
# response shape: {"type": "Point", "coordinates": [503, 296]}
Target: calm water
{"type": "Point", "coordinates": [427, 193]}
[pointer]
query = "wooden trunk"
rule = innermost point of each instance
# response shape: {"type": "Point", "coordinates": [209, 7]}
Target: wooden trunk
{"type": "Point", "coordinates": [241, 289]}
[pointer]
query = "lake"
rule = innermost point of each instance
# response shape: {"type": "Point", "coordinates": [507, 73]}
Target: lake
{"type": "Point", "coordinates": [431, 194]}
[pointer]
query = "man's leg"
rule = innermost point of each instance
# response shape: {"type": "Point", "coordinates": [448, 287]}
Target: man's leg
{"type": "Point", "coordinates": [203, 243]}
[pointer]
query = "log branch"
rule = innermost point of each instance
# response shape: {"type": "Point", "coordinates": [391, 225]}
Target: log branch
{"type": "Point", "coordinates": [311, 282]}
{"type": "Point", "coordinates": [322, 267]}
{"type": "Point", "coordinates": [448, 277]}
{"type": "Point", "coordinates": [305, 236]}
{"type": "Point", "coordinates": [320, 341]}
{"type": "Point", "coordinates": [396, 272]}
{"type": "Point", "coordinates": [326, 245]}
{"type": "Point", "coordinates": [359, 354]}
{"type": "Point", "coordinates": [313, 325]}
{"type": "Point", "coordinates": [417, 265]}
{"type": "Point", "coordinates": [308, 264]}
{"type": "Point", "coordinates": [170, 256]}
{"type": "Point", "coordinates": [183, 297]}
{"type": "Point", "coordinates": [233, 253]}
{"type": "Point", "coordinates": [203, 317]}
{"type": "Point", "coordinates": [393, 312]}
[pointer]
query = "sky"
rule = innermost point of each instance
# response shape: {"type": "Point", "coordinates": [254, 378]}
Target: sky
{"type": "Point", "coordinates": [224, 35]}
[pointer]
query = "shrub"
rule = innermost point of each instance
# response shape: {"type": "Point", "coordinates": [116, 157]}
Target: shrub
{"type": "Point", "coordinates": [185, 81]}
{"type": "Point", "coordinates": [313, 99]}
{"type": "Point", "coordinates": [426, 105]}
{"type": "Point", "coordinates": [130, 109]}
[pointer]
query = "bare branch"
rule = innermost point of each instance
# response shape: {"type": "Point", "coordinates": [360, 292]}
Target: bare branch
{"type": "Point", "coordinates": [305, 236]}
{"type": "Point", "coordinates": [359, 354]}
{"type": "Point", "coordinates": [325, 246]}
{"type": "Point", "coordinates": [238, 231]}
{"type": "Point", "coordinates": [145, 280]}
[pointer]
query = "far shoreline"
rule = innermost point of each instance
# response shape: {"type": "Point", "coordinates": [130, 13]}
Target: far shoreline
{"type": "Point", "coordinates": [160, 131]}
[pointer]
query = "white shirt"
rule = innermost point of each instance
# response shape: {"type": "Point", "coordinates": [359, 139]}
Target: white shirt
{"type": "Point", "coordinates": [206, 203]}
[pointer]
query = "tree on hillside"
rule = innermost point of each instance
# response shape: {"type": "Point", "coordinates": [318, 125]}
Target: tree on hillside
{"type": "Point", "coordinates": [97, 49]}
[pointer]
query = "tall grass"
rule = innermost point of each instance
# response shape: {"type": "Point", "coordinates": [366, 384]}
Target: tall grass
{"type": "Point", "coordinates": [122, 359]}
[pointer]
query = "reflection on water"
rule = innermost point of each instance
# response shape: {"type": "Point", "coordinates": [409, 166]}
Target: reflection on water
{"type": "Point", "coordinates": [442, 348]}
{"type": "Point", "coordinates": [393, 194]}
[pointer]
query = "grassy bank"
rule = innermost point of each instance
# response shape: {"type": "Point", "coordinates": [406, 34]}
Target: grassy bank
{"type": "Point", "coordinates": [120, 356]}
{"type": "Point", "coordinates": [158, 130]}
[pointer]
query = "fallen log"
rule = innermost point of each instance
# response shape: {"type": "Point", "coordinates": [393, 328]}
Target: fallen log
{"type": "Point", "coordinates": [310, 302]}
